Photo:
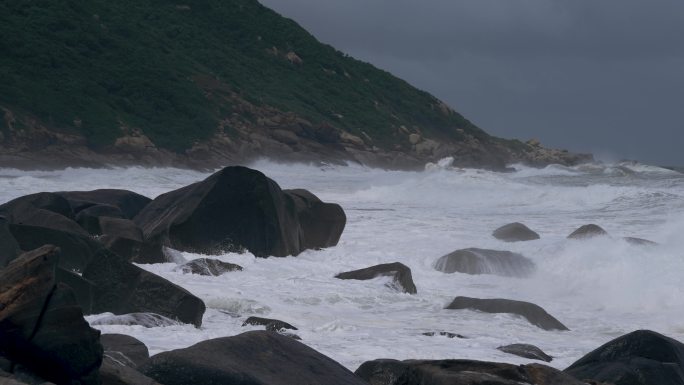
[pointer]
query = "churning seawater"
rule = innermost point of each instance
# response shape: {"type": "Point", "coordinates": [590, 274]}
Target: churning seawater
{"type": "Point", "coordinates": [600, 288]}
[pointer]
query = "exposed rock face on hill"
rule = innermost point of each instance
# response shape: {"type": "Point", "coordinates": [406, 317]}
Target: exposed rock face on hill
{"type": "Point", "coordinates": [213, 83]}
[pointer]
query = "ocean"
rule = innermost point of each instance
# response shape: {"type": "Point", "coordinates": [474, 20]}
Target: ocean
{"type": "Point", "coordinates": [599, 288]}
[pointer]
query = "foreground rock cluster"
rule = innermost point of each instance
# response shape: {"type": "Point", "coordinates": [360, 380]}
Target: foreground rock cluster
{"type": "Point", "coordinates": [68, 254]}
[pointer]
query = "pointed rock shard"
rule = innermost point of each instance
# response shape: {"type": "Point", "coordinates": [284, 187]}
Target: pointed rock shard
{"type": "Point", "coordinates": [400, 273]}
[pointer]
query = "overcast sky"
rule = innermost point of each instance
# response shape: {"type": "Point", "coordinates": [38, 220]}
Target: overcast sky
{"type": "Point", "coordinates": [602, 76]}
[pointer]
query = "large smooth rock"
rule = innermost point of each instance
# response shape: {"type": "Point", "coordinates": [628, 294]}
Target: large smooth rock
{"type": "Point", "coordinates": [83, 289]}
{"type": "Point", "coordinates": [127, 202]}
{"type": "Point", "coordinates": [129, 351]}
{"type": "Point", "coordinates": [459, 372]}
{"type": "Point", "coordinates": [121, 288]}
{"type": "Point", "coordinates": [642, 357]}
{"type": "Point", "coordinates": [9, 248]}
{"type": "Point", "coordinates": [207, 266]}
{"type": "Point", "coordinates": [235, 209]}
{"type": "Point", "coordinates": [252, 358]}
{"type": "Point", "coordinates": [526, 351]}
{"type": "Point", "coordinates": [89, 218]}
{"type": "Point", "coordinates": [400, 273]}
{"type": "Point", "coordinates": [114, 372]}
{"type": "Point", "coordinates": [125, 238]}
{"type": "Point", "coordinates": [22, 209]}
{"type": "Point", "coordinates": [531, 312]}
{"type": "Point", "coordinates": [483, 261]}
{"type": "Point", "coordinates": [41, 325]}
{"type": "Point", "coordinates": [515, 232]}
{"type": "Point", "coordinates": [588, 231]}
{"type": "Point", "coordinates": [320, 224]}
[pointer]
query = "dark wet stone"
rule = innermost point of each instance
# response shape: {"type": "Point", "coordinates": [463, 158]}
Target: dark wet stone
{"type": "Point", "coordinates": [515, 232]}
{"type": "Point", "coordinates": [252, 358]}
{"type": "Point", "coordinates": [587, 231]}
{"type": "Point", "coordinates": [89, 218]}
{"type": "Point", "coordinates": [127, 202]}
{"type": "Point", "coordinates": [238, 208]}
{"type": "Point", "coordinates": [531, 312]}
{"type": "Point", "coordinates": [483, 261]}
{"type": "Point", "coordinates": [640, 241]}
{"type": "Point", "coordinates": [526, 351]}
{"type": "Point", "coordinates": [400, 273]}
{"type": "Point", "coordinates": [207, 266]}
{"type": "Point", "coordinates": [642, 357]}
{"type": "Point", "coordinates": [113, 372]}
{"type": "Point", "coordinates": [148, 320]}
{"type": "Point", "coordinates": [122, 288]}
{"type": "Point", "coordinates": [460, 372]}
{"type": "Point", "coordinates": [128, 350]}
{"type": "Point", "coordinates": [9, 248]}
{"type": "Point", "coordinates": [273, 325]}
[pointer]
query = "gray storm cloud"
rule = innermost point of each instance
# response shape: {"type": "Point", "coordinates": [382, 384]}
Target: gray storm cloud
{"type": "Point", "coordinates": [605, 76]}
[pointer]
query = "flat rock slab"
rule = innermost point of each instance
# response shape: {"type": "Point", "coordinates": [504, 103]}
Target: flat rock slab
{"type": "Point", "coordinates": [642, 357]}
{"type": "Point", "coordinates": [400, 273]}
{"type": "Point", "coordinates": [526, 351]}
{"type": "Point", "coordinates": [515, 232]}
{"type": "Point", "coordinates": [588, 231]}
{"type": "Point", "coordinates": [484, 261]}
{"type": "Point", "coordinates": [534, 314]}
{"type": "Point", "coordinates": [208, 267]}
{"type": "Point", "coordinates": [252, 358]}
{"type": "Point", "coordinates": [460, 372]}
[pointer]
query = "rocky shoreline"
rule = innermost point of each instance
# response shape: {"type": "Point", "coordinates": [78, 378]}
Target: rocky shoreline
{"type": "Point", "coordinates": [64, 255]}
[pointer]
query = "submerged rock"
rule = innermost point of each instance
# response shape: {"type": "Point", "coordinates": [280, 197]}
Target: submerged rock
{"type": "Point", "coordinates": [526, 351]}
{"type": "Point", "coordinates": [272, 325]}
{"type": "Point", "coordinates": [461, 372]}
{"type": "Point", "coordinates": [238, 208]}
{"type": "Point", "coordinates": [252, 358]}
{"type": "Point", "coordinates": [443, 334]}
{"type": "Point", "coordinates": [483, 261]}
{"type": "Point", "coordinates": [400, 273]}
{"type": "Point", "coordinates": [41, 325]}
{"type": "Point", "coordinates": [148, 320]}
{"type": "Point", "coordinates": [122, 288]}
{"type": "Point", "coordinates": [588, 231]}
{"type": "Point", "coordinates": [207, 266]}
{"type": "Point", "coordinates": [640, 241]}
{"type": "Point", "coordinates": [642, 357]}
{"type": "Point", "coordinates": [515, 232]}
{"type": "Point", "coordinates": [531, 312]}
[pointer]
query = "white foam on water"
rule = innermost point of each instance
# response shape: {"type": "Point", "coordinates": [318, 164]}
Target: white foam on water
{"type": "Point", "coordinates": [600, 288]}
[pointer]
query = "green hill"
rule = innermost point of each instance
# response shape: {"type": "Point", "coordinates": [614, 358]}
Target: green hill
{"type": "Point", "coordinates": [179, 72]}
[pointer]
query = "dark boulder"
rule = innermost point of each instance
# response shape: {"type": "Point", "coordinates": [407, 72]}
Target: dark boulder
{"type": "Point", "coordinates": [515, 232]}
{"type": "Point", "coordinates": [9, 248]}
{"type": "Point", "coordinates": [21, 209]}
{"type": "Point", "coordinates": [78, 248]}
{"type": "Point", "coordinates": [400, 273]}
{"type": "Point", "coordinates": [41, 325]}
{"type": "Point", "coordinates": [526, 351]}
{"type": "Point", "coordinates": [272, 325]}
{"type": "Point", "coordinates": [127, 202]}
{"type": "Point", "coordinates": [642, 357]}
{"type": "Point", "coordinates": [234, 209]}
{"type": "Point", "coordinates": [321, 224]}
{"type": "Point", "coordinates": [461, 372]}
{"type": "Point", "coordinates": [443, 334]}
{"type": "Point", "coordinates": [252, 358]}
{"type": "Point", "coordinates": [89, 218]}
{"type": "Point", "coordinates": [128, 350]}
{"type": "Point", "coordinates": [483, 261]}
{"type": "Point", "coordinates": [125, 238]}
{"type": "Point", "coordinates": [207, 266]}
{"type": "Point", "coordinates": [533, 313]}
{"type": "Point", "coordinates": [121, 288]}
{"type": "Point", "coordinates": [148, 320]}
{"type": "Point", "coordinates": [588, 231]}
{"type": "Point", "coordinates": [82, 288]}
